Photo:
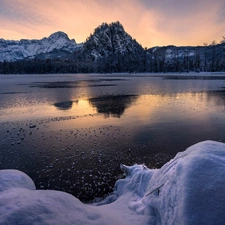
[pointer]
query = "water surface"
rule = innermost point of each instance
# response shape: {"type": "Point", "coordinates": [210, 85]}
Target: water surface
{"type": "Point", "coordinates": [71, 132]}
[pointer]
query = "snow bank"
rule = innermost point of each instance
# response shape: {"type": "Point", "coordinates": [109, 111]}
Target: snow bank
{"type": "Point", "coordinates": [190, 189]}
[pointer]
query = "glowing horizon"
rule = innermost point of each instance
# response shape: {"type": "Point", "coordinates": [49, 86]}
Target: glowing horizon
{"type": "Point", "coordinates": [151, 23]}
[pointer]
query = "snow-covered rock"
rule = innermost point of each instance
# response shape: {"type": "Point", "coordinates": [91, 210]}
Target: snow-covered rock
{"type": "Point", "coordinates": [190, 189]}
{"type": "Point", "coordinates": [18, 50]}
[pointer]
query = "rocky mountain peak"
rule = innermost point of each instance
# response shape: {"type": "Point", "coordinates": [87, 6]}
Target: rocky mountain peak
{"type": "Point", "coordinates": [59, 35]}
{"type": "Point", "coordinates": [111, 40]}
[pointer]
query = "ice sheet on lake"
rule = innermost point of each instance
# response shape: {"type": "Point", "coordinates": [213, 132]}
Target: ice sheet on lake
{"type": "Point", "coordinates": [187, 190]}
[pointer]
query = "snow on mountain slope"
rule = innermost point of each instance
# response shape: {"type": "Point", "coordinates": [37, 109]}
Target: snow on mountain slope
{"type": "Point", "coordinates": [18, 50]}
{"type": "Point", "coordinates": [188, 190]}
{"type": "Point", "coordinates": [111, 40]}
{"type": "Point", "coordinates": [180, 53]}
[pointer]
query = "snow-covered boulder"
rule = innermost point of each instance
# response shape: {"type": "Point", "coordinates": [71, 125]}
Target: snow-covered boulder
{"type": "Point", "coordinates": [190, 189]}
{"type": "Point", "coordinates": [15, 179]}
{"type": "Point", "coordinates": [26, 206]}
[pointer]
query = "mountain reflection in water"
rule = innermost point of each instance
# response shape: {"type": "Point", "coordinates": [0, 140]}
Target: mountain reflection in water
{"type": "Point", "coordinates": [64, 105]}
{"type": "Point", "coordinates": [113, 106]}
{"type": "Point", "coordinates": [109, 106]}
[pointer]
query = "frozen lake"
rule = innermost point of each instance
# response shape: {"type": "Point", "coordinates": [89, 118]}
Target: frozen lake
{"type": "Point", "coordinates": [71, 132]}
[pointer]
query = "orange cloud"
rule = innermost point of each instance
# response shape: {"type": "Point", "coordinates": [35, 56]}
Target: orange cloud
{"type": "Point", "coordinates": [151, 23]}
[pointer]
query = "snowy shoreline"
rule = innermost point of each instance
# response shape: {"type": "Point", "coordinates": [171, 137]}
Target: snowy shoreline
{"type": "Point", "coordinates": [189, 189]}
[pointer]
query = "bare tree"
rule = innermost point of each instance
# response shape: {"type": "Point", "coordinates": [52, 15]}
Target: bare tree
{"type": "Point", "coordinates": [223, 40]}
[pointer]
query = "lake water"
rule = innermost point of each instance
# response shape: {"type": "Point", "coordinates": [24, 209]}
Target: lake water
{"type": "Point", "coordinates": [71, 132]}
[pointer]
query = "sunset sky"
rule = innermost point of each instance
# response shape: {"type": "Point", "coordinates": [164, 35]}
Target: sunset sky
{"type": "Point", "coordinates": [150, 22]}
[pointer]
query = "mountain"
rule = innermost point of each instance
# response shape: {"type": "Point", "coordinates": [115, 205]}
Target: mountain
{"type": "Point", "coordinates": [186, 58]}
{"type": "Point", "coordinates": [111, 46]}
{"type": "Point", "coordinates": [55, 45]}
{"type": "Point", "coordinates": [110, 40]}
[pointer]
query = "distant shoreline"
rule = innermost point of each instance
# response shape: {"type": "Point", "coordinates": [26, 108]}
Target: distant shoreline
{"type": "Point", "coordinates": [197, 74]}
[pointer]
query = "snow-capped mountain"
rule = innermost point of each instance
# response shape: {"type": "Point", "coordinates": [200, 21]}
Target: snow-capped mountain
{"type": "Point", "coordinates": [110, 48]}
{"type": "Point", "coordinates": [111, 40]}
{"type": "Point", "coordinates": [18, 50]}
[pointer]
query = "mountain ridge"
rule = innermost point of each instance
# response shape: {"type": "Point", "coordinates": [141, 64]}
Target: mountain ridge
{"type": "Point", "coordinates": [108, 49]}
{"type": "Point", "coordinates": [11, 50]}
